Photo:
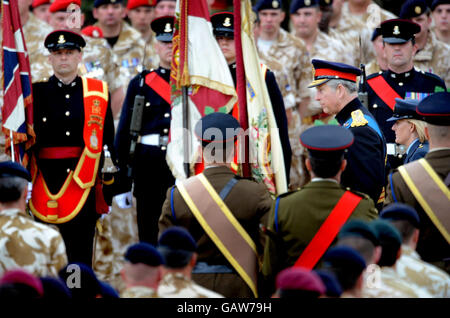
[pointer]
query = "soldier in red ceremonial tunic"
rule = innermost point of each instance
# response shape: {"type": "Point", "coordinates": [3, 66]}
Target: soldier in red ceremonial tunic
{"type": "Point", "coordinates": [73, 121]}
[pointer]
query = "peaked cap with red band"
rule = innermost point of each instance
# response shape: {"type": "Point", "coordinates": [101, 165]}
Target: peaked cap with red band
{"type": "Point", "coordinates": [325, 71]}
{"type": "Point", "coordinates": [327, 141]}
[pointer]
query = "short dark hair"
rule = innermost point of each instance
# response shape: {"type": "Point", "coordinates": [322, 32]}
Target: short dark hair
{"type": "Point", "coordinates": [325, 167]}
{"type": "Point", "coordinates": [362, 245]}
{"type": "Point", "coordinates": [405, 228]}
{"type": "Point", "coordinates": [11, 189]}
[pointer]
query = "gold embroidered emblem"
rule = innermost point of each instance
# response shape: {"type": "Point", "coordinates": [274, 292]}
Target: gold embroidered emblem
{"type": "Point", "coordinates": [358, 119]}
{"type": "Point", "coordinates": [167, 28]}
{"type": "Point", "coordinates": [227, 22]}
{"type": "Point", "coordinates": [275, 4]}
{"type": "Point", "coordinates": [418, 10]}
{"type": "Point", "coordinates": [61, 39]}
{"type": "Point", "coordinates": [396, 30]}
{"type": "Point", "coordinates": [96, 106]}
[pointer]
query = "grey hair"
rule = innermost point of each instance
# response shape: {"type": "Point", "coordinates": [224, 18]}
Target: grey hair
{"type": "Point", "coordinates": [350, 86]}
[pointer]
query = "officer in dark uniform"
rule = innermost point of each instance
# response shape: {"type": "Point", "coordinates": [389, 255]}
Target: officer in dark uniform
{"type": "Point", "coordinates": [432, 246]}
{"type": "Point", "coordinates": [72, 121]}
{"type": "Point", "coordinates": [297, 216]}
{"type": "Point", "coordinates": [336, 92]}
{"type": "Point", "coordinates": [150, 173]}
{"type": "Point", "coordinates": [406, 110]}
{"type": "Point", "coordinates": [223, 29]}
{"type": "Point", "coordinates": [401, 80]}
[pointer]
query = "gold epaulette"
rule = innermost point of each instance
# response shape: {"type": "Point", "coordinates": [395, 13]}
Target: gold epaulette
{"type": "Point", "coordinates": [358, 119]}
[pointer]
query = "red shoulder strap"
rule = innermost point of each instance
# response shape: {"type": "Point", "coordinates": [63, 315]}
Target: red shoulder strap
{"type": "Point", "coordinates": [384, 91]}
{"type": "Point", "coordinates": [328, 230]}
{"type": "Point", "coordinates": [159, 85]}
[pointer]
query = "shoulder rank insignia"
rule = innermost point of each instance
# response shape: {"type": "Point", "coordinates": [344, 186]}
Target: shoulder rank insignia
{"type": "Point", "coordinates": [358, 119]}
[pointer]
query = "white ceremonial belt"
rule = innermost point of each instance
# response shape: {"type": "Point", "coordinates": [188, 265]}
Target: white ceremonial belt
{"type": "Point", "coordinates": [150, 140]}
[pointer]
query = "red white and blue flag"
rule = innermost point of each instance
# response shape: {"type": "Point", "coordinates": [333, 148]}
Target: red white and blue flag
{"type": "Point", "coordinates": [17, 109]}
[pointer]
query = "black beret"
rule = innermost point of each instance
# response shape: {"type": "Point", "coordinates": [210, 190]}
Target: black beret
{"type": "Point", "coordinates": [358, 228]}
{"type": "Point", "coordinates": [217, 128]}
{"type": "Point", "coordinates": [400, 211]}
{"type": "Point", "coordinates": [163, 28]}
{"type": "Point", "coordinates": [89, 285]}
{"type": "Point", "coordinates": [333, 288]}
{"type": "Point", "coordinates": [413, 8]}
{"type": "Point", "coordinates": [267, 4]}
{"type": "Point", "coordinates": [64, 39]}
{"type": "Point", "coordinates": [405, 109]}
{"type": "Point", "coordinates": [176, 245]}
{"type": "Point", "coordinates": [438, 2]}
{"type": "Point", "coordinates": [344, 257]}
{"type": "Point", "coordinates": [435, 109]}
{"type": "Point", "coordinates": [397, 31]}
{"type": "Point", "coordinates": [386, 232]}
{"type": "Point", "coordinates": [13, 169]}
{"type": "Point", "coordinates": [143, 253]}
{"type": "Point", "coordinates": [98, 3]}
{"type": "Point", "coordinates": [300, 4]}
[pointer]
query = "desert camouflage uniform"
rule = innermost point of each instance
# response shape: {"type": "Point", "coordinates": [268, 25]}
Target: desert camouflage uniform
{"type": "Point", "coordinates": [35, 31]}
{"type": "Point", "coordinates": [434, 58]}
{"type": "Point", "coordinates": [176, 285]}
{"type": "Point", "coordinates": [349, 32]}
{"type": "Point", "coordinates": [32, 246]}
{"type": "Point", "coordinates": [129, 50]}
{"type": "Point", "coordinates": [293, 117]}
{"type": "Point", "coordinates": [372, 67]}
{"type": "Point", "coordinates": [151, 56]}
{"type": "Point", "coordinates": [139, 292]}
{"type": "Point", "coordinates": [290, 52]}
{"type": "Point", "coordinates": [371, 18]}
{"type": "Point", "coordinates": [388, 284]}
{"type": "Point", "coordinates": [115, 232]}
{"type": "Point", "coordinates": [421, 274]}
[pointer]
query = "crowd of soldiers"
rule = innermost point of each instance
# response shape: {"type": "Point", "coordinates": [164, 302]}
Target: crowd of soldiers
{"type": "Point", "coordinates": [366, 152]}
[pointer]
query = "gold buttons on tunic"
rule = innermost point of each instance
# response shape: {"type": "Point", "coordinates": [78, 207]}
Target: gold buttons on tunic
{"type": "Point", "coordinates": [67, 96]}
{"type": "Point", "coordinates": [67, 133]}
{"type": "Point", "coordinates": [44, 119]}
{"type": "Point", "coordinates": [67, 113]}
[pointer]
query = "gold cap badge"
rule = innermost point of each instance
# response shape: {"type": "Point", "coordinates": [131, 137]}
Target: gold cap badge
{"type": "Point", "coordinates": [61, 39]}
{"type": "Point", "coordinates": [167, 28]}
{"type": "Point", "coordinates": [275, 4]}
{"type": "Point", "coordinates": [307, 3]}
{"type": "Point", "coordinates": [227, 22]}
{"type": "Point", "coordinates": [418, 10]}
{"type": "Point", "coordinates": [396, 30]}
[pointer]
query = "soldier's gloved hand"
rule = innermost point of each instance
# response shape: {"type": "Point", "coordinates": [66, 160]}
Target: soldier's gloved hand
{"type": "Point", "coordinates": [124, 200]}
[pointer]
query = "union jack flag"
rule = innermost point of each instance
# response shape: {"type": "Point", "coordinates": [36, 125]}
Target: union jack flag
{"type": "Point", "coordinates": [17, 109]}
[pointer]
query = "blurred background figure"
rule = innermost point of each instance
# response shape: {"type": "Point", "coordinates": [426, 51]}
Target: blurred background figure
{"type": "Point", "coordinates": [410, 266]}
{"type": "Point", "coordinates": [409, 129]}
{"type": "Point", "coordinates": [40, 9]}
{"type": "Point", "coordinates": [441, 17]}
{"type": "Point", "coordinates": [142, 271]}
{"type": "Point", "coordinates": [348, 266]}
{"type": "Point", "coordinates": [297, 282]}
{"type": "Point", "coordinates": [165, 8]}
{"type": "Point", "coordinates": [178, 249]}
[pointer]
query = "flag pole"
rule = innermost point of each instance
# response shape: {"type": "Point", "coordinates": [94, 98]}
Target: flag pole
{"type": "Point", "coordinates": [186, 141]}
{"type": "Point", "coordinates": [13, 153]}
{"type": "Point", "coordinates": [241, 88]}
